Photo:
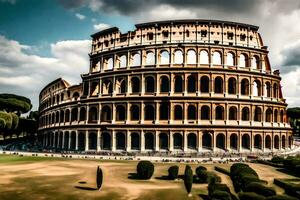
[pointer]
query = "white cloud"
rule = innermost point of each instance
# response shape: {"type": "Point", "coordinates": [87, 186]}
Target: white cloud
{"type": "Point", "coordinates": [101, 26]}
{"type": "Point", "coordinates": [26, 74]}
{"type": "Point", "coordinates": [80, 16]}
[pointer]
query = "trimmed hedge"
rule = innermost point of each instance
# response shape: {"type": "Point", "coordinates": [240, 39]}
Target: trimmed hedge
{"type": "Point", "coordinates": [205, 176]}
{"type": "Point", "coordinates": [277, 159]}
{"type": "Point", "coordinates": [145, 169]}
{"type": "Point", "coordinates": [188, 179]}
{"type": "Point", "coordinates": [291, 189]}
{"type": "Point", "coordinates": [222, 170]}
{"type": "Point", "coordinates": [220, 195]}
{"type": "Point", "coordinates": [99, 178]}
{"type": "Point", "coordinates": [258, 188]}
{"type": "Point", "coordinates": [281, 197]}
{"type": "Point", "coordinates": [173, 172]}
{"type": "Point", "coordinates": [250, 196]}
{"type": "Point", "coordinates": [219, 187]}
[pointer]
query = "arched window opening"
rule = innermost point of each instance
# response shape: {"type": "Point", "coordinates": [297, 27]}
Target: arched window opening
{"type": "Point", "coordinates": [204, 57]}
{"type": "Point", "coordinates": [123, 61]}
{"type": "Point", "coordinates": [256, 88]}
{"type": "Point", "coordinates": [283, 141]}
{"type": "Point", "coordinates": [268, 142]}
{"type": "Point", "coordinates": [232, 86]}
{"type": "Point", "coordinates": [81, 141]}
{"type": "Point", "coordinates": [122, 87]}
{"type": "Point", "coordinates": [206, 141]}
{"type": "Point", "coordinates": [136, 60]}
{"type": "Point", "coordinates": [107, 87]}
{"type": "Point", "coordinates": [110, 64]}
{"type": "Point", "coordinates": [164, 111]}
{"type": "Point", "coordinates": [135, 85]}
{"type": "Point", "coordinates": [93, 114]}
{"type": "Point", "coordinates": [268, 89]}
{"type": "Point", "coordinates": [92, 141]}
{"type": "Point", "coordinates": [120, 141]}
{"type": "Point", "coordinates": [67, 115]}
{"type": "Point", "coordinates": [204, 84]}
{"type": "Point", "coordinates": [62, 116]}
{"type": "Point", "coordinates": [164, 84]}
{"type": "Point", "coordinates": [149, 112]}
{"type": "Point", "coordinates": [150, 58]}
{"type": "Point", "coordinates": [191, 57]}
{"type": "Point", "coordinates": [220, 141]}
{"type": "Point", "coordinates": [257, 141]}
{"type": "Point", "coordinates": [164, 57]}
{"type": "Point", "coordinates": [135, 113]}
{"type": "Point", "coordinates": [230, 59]}
{"type": "Point", "coordinates": [245, 87]}
{"type": "Point", "coordinates": [233, 141]}
{"type": "Point", "coordinates": [192, 141]}
{"type": "Point", "coordinates": [246, 141]}
{"type": "Point", "coordinates": [275, 90]}
{"type": "Point", "coordinates": [219, 113]}
{"type": "Point", "coordinates": [276, 142]}
{"type": "Point", "coordinates": [74, 114]}
{"type": "Point", "coordinates": [149, 141]}
{"type": "Point", "coordinates": [257, 114]}
{"type": "Point", "coordinates": [191, 84]}
{"type": "Point", "coordinates": [57, 117]}
{"type": "Point", "coordinates": [243, 60]}
{"type": "Point", "coordinates": [276, 115]}
{"type": "Point", "coordinates": [245, 114]}
{"type": "Point", "coordinates": [178, 84]}
{"type": "Point", "coordinates": [106, 114]}
{"type": "Point", "coordinates": [66, 140]}
{"type": "Point", "coordinates": [217, 58]}
{"type": "Point", "coordinates": [232, 113]}
{"type": "Point", "coordinates": [255, 62]}
{"type": "Point", "coordinates": [121, 113]}
{"type": "Point", "coordinates": [177, 141]}
{"type": "Point", "coordinates": [150, 85]}
{"type": "Point", "coordinates": [269, 115]}
{"type": "Point", "coordinates": [281, 116]}
{"type": "Point", "coordinates": [218, 85]}
{"type": "Point", "coordinates": [135, 141]}
{"type": "Point", "coordinates": [205, 113]}
{"type": "Point", "coordinates": [178, 57]}
{"type": "Point", "coordinates": [105, 141]}
{"type": "Point", "coordinates": [82, 114]}
{"type": "Point", "coordinates": [178, 114]}
{"type": "Point", "coordinates": [163, 141]}
{"type": "Point", "coordinates": [192, 112]}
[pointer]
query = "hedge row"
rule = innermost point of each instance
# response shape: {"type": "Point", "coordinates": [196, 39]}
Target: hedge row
{"type": "Point", "coordinates": [254, 196]}
{"type": "Point", "coordinates": [270, 163]}
{"type": "Point", "coordinates": [204, 176]}
{"type": "Point", "coordinates": [222, 170]}
{"type": "Point", "coordinates": [290, 188]}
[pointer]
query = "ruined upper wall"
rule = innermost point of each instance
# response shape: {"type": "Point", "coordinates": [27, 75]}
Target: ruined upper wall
{"type": "Point", "coordinates": [179, 31]}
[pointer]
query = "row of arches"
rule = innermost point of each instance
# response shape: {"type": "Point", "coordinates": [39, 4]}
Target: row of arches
{"type": "Point", "coordinates": [67, 140]}
{"type": "Point", "coordinates": [189, 84]}
{"type": "Point", "coordinates": [179, 56]}
{"type": "Point", "coordinates": [147, 111]}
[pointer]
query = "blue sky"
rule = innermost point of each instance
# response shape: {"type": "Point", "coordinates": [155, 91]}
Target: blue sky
{"type": "Point", "coordinates": [41, 40]}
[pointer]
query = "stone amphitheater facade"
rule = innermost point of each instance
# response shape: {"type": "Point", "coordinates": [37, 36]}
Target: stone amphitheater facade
{"type": "Point", "coordinates": [176, 86]}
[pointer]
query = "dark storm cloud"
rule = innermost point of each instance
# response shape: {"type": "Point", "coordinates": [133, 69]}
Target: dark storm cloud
{"type": "Point", "coordinates": [291, 55]}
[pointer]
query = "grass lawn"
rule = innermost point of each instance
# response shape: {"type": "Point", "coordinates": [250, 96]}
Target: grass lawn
{"type": "Point", "coordinates": [59, 178]}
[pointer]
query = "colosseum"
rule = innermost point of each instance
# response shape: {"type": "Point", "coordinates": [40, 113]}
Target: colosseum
{"type": "Point", "coordinates": [188, 86]}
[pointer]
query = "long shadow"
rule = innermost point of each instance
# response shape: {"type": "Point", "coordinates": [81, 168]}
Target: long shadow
{"type": "Point", "coordinates": [85, 188]}
{"type": "Point", "coordinates": [134, 176]}
{"type": "Point", "coordinates": [163, 178]}
{"type": "Point", "coordinates": [289, 172]}
{"type": "Point", "coordinates": [204, 196]}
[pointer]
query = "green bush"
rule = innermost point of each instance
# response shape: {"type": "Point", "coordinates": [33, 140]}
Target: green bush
{"type": "Point", "coordinates": [217, 186]}
{"type": "Point", "coordinates": [15, 121]}
{"type": "Point", "coordinates": [188, 179]}
{"type": "Point", "coordinates": [250, 196]}
{"type": "Point", "coordinates": [145, 169]}
{"type": "Point", "coordinates": [220, 195]}
{"type": "Point", "coordinates": [222, 170]}
{"type": "Point", "coordinates": [277, 159]}
{"type": "Point", "coordinates": [202, 174]}
{"type": "Point", "coordinates": [99, 178]}
{"type": "Point", "coordinates": [281, 197]}
{"type": "Point", "coordinates": [259, 189]}
{"type": "Point", "coordinates": [7, 117]}
{"type": "Point", "coordinates": [213, 178]}
{"type": "Point", "coordinates": [199, 169]}
{"type": "Point", "coordinates": [173, 172]}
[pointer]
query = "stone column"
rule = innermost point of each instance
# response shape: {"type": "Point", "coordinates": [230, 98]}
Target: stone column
{"type": "Point", "coordinates": [142, 137]}
{"type": "Point", "coordinates": [156, 141]}
{"type": "Point", "coordinates": [157, 113]}
{"type": "Point", "coordinates": [63, 141]}
{"type": "Point", "coordinates": [98, 140]}
{"type": "Point", "coordinates": [86, 141]}
{"type": "Point", "coordinates": [76, 142]}
{"type": "Point", "coordinates": [69, 142]}
{"type": "Point", "coordinates": [128, 141]}
{"type": "Point", "coordinates": [142, 112]}
{"type": "Point", "coordinates": [143, 84]}
{"type": "Point", "coordinates": [113, 147]}
{"type": "Point", "coordinates": [199, 141]}
{"type": "Point", "coordinates": [185, 142]}
{"type": "Point", "coordinates": [171, 146]}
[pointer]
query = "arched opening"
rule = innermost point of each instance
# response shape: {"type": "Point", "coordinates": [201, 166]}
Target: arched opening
{"type": "Point", "coordinates": [109, 64]}
{"type": "Point", "coordinates": [164, 84]}
{"type": "Point", "coordinates": [61, 140]}
{"type": "Point", "coordinates": [150, 85]}
{"type": "Point", "coordinates": [257, 114]}
{"type": "Point", "coordinates": [106, 114]}
{"type": "Point", "coordinates": [163, 141]}
{"type": "Point", "coordinates": [164, 57]}
{"type": "Point", "coordinates": [243, 60]}
{"type": "Point", "coordinates": [204, 81]}
{"type": "Point", "coordinates": [275, 90]}
{"type": "Point", "coordinates": [192, 141]}
{"type": "Point", "coordinates": [268, 142]}
{"type": "Point", "coordinates": [81, 141]}
{"type": "Point", "coordinates": [67, 115]}
{"type": "Point", "coordinates": [245, 87]}
{"type": "Point", "coordinates": [192, 112]}
{"type": "Point", "coordinates": [66, 140]}
{"type": "Point", "coordinates": [219, 113]}
{"type": "Point", "coordinates": [74, 114]}
{"type": "Point", "coordinates": [255, 62]}
{"type": "Point", "coordinates": [268, 89]}
{"type": "Point", "coordinates": [107, 87]}
{"type": "Point", "coordinates": [149, 112]}
{"type": "Point", "coordinates": [230, 59]}
{"type": "Point", "coordinates": [57, 117]}
{"type": "Point", "coordinates": [217, 58]}
{"type": "Point", "coordinates": [82, 114]}
{"type": "Point", "coordinates": [231, 85]}
{"type": "Point", "coordinates": [150, 58]}
{"type": "Point", "coordinates": [177, 141]}
{"type": "Point", "coordinates": [191, 57]}
{"type": "Point", "coordinates": [135, 113]}
{"type": "Point", "coordinates": [206, 141]}
{"type": "Point", "coordinates": [121, 113]}
{"type": "Point", "coordinates": [135, 141]}
{"type": "Point", "coordinates": [257, 141]}
{"type": "Point", "coordinates": [136, 59]}
{"type": "Point", "coordinates": [105, 141]}
{"type": "Point", "coordinates": [233, 141]}
{"type": "Point", "coordinates": [164, 111]}
{"type": "Point", "coordinates": [191, 83]}
{"type": "Point", "coordinates": [204, 57]}
{"type": "Point", "coordinates": [178, 57]}
{"type": "Point", "coordinates": [73, 141]}
{"type": "Point", "coordinates": [283, 141]}
{"type": "Point", "coordinates": [178, 114]}
{"type": "Point", "coordinates": [268, 115]}
{"type": "Point", "coordinates": [178, 84]}
{"type": "Point", "coordinates": [276, 142]}
{"type": "Point", "coordinates": [218, 85]}
{"type": "Point", "coordinates": [123, 61]}
{"type": "Point", "coordinates": [56, 140]}
{"type": "Point", "coordinates": [290, 141]}
{"type": "Point", "coordinates": [92, 141]}
{"type": "Point", "coordinates": [281, 116]}
{"type": "Point", "coordinates": [62, 116]}
{"type": "Point", "coordinates": [120, 141]}
{"type": "Point", "coordinates": [232, 113]}
{"type": "Point", "coordinates": [220, 141]}
{"type": "Point", "coordinates": [93, 114]}
{"type": "Point", "coordinates": [149, 141]}
{"type": "Point", "coordinates": [275, 115]}
{"type": "Point", "coordinates": [135, 85]}
{"type": "Point", "coordinates": [121, 86]}
{"type": "Point", "coordinates": [205, 113]}
{"type": "Point", "coordinates": [256, 88]}
{"type": "Point", "coordinates": [246, 141]}
{"type": "Point", "coordinates": [245, 114]}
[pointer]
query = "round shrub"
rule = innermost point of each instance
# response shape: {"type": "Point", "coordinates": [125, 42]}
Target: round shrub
{"type": "Point", "coordinates": [173, 172]}
{"type": "Point", "coordinates": [281, 197]}
{"type": "Point", "coordinates": [188, 179]}
{"type": "Point", "coordinates": [145, 169]}
{"type": "Point", "coordinates": [220, 195]}
{"type": "Point", "coordinates": [250, 196]}
{"type": "Point", "coordinates": [202, 175]}
{"type": "Point", "coordinates": [277, 159]}
{"type": "Point", "coordinates": [199, 169]}
{"type": "Point", "coordinates": [260, 189]}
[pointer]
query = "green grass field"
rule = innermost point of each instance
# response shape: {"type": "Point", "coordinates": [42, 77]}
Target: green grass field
{"type": "Point", "coordinates": [60, 178]}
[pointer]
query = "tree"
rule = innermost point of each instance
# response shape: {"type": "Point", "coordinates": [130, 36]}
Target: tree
{"type": "Point", "coordinates": [188, 179]}
{"type": "Point", "coordinates": [99, 178]}
{"type": "Point", "coordinates": [145, 169]}
{"type": "Point", "coordinates": [15, 103]}
{"type": "Point", "coordinates": [173, 172]}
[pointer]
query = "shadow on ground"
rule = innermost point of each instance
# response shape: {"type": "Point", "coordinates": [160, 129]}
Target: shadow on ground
{"type": "Point", "coordinates": [85, 188]}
